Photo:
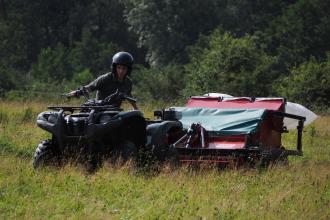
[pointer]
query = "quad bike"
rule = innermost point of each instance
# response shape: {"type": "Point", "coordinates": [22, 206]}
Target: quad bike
{"type": "Point", "coordinates": [90, 132]}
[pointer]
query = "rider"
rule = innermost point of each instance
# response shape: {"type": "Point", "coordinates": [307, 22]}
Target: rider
{"type": "Point", "coordinates": [117, 80]}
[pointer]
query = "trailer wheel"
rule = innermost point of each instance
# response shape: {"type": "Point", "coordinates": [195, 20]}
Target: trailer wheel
{"type": "Point", "coordinates": [264, 162]}
{"type": "Point", "coordinates": [273, 156]}
{"type": "Point", "coordinates": [283, 159]}
{"type": "Point", "coordinates": [46, 154]}
{"type": "Point", "coordinates": [172, 157]}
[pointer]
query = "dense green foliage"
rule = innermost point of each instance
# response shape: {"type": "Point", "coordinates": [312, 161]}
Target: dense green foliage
{"type": "Point", "coordinates": [167, 27]}
{"type": "Point", "coordinates": [233, 66]}
{"type": "Point", "coordinates": [241, 47]}
{"type": "Point", "coordinates": [161, 83]}
{"type": "Point", "coordinates": [308, 83]}
{"type": "Point", "coordinates": [299, 33]}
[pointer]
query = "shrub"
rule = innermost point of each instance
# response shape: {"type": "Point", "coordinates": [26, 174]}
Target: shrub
{"type": "Point", "coordinates": [308, 84]}
{"type": "Point", "coordinates": [158, 84]}
{"type": "Point", "coordinates": [83, 77]}
{"type": "Point", "coordinates": [222, 63]}
{"type": "Point", "coordinates": [52, 64]}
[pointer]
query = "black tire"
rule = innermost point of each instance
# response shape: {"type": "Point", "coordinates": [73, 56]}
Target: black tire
{"type": "Point", "coordinates": [46, 154]}
{"type": "Point", "coordinates": [129, 151]}
{"type": "Point", "coordinates": [124, 152]}
{"type": "Point", "coordinates": [145, 159]}
{"type": "Point", "coordinates": [172, 157]}
{"type": "Point", "coordinates": [274, 156]}
{"type": "Point", "coordinates": [282, 159]}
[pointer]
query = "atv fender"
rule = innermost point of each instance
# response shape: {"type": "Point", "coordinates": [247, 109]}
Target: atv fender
{"type": "Point", "coordinates": [47, 120]}
{"type": "Point", "coordinates": [52, 122]}
{"type": "Point", "coordinates": [157, 137]}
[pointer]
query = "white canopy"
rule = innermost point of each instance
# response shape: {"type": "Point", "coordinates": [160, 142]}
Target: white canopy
{"type": "Point", "coordinates": [297, 109]}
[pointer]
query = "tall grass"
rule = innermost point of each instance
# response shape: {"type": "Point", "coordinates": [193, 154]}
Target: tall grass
{"type": "Point", "coordinates": [300, 190]}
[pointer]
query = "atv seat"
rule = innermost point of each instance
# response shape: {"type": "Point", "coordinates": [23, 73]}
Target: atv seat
{"type": "Point", "coordinates": [128, 114]}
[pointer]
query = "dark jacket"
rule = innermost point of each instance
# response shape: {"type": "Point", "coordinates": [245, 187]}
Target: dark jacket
{"type": "Point", "coordinates": [108, 84]}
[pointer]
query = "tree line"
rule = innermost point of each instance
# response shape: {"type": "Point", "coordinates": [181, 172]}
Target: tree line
{"type": "Point", "coordinates": [181, 48]}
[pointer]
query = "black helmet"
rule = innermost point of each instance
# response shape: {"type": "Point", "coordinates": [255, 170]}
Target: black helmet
{"type": "Point", "coordinates": [123, 58]}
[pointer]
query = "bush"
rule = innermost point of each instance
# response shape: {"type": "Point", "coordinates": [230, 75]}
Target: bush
{"type": "Point", "coordinates": [83, 77]}
{"type": "Point", "coordinates": [60, 69]}
{"type": "Point", "coordinates": [308, 84]}
{"type": "Point", "coordinates": [158, 84]}
{"type": "Point", "coordinates": [52, 65]}
{"type": "Point", "coordinates": [9, 79]}
{"type": "Point", "coordinates": [221, 63]}
{"type": "Point", "coordinates": [92, 54]}
{"type": "Point", "coordinates": [88, 57]}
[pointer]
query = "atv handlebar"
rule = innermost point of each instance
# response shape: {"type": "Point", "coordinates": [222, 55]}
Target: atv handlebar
{"type": "Point", "coordinates": [130, 99]}
{"type": "Point", "coordinates": [118, 95]}
{"type": "Point", "coordinates": [111, 100]}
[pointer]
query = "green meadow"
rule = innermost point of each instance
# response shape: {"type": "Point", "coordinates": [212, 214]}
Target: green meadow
{"type": "Point", "coordinates": [300, 190]}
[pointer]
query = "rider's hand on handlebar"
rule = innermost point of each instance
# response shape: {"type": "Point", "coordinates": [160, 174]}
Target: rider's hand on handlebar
{"type": "Point", "coordinates": [77, 93]}
{"type": "Point", "coordinates": [69, 95]}
{"type": "Point", "coordinates": [120, 96]}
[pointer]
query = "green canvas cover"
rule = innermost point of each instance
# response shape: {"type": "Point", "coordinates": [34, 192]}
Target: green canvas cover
{"type": "Point", "coordinates": [221, 122]}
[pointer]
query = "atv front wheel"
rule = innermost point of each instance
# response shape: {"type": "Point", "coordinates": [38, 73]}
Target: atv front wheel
{"type": "Point", "coordinates": [46, 154]}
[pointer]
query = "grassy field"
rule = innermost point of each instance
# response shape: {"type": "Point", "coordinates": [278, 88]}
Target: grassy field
{"type": "Point", "coordinates": [300, 190]}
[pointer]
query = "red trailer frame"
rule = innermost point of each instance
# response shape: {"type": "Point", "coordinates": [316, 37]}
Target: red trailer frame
{"type": "Point", "coordinates": [197, 145]}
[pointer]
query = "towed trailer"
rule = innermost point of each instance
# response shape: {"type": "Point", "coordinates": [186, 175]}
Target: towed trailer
{"type": "Point", "coordinates": [224, 130]}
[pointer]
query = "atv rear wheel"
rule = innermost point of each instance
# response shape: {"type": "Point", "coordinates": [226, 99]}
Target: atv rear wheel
{"type": "Point", "coordinates": [124, 152]}
{"type": "Point", "coordinates": [129, 151]}
{"type": "Point", "coordinates": [46, 154]}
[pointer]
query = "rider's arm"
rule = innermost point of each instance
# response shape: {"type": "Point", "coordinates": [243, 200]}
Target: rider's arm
{"type": "Point", "coordinates": [135, 107]}
{"type": "Point", "coordinates": [77, 92]}
{"type": "Point", "coordinates": [94, 85]}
